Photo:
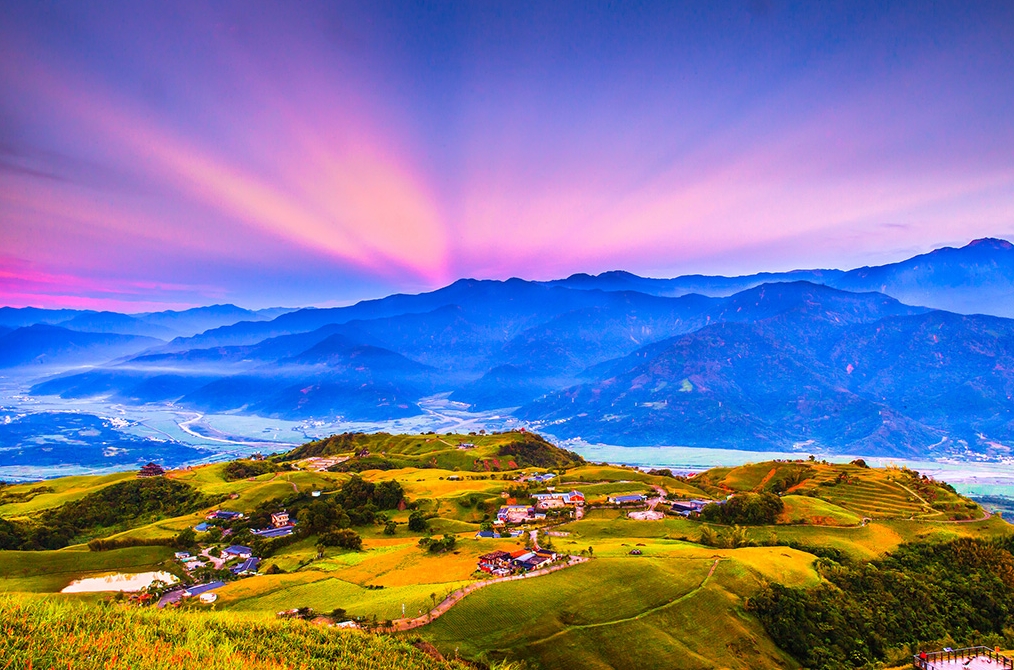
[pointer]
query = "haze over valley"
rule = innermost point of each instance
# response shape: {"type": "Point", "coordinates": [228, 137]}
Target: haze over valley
{"type": "Point", "coordinates": [876, 361]}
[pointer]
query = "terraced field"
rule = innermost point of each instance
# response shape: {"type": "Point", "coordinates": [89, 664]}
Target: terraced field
{"type": "Point", "coordinates": [872, 496]}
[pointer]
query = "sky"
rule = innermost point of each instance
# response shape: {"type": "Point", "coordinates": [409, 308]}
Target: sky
{"type": "Point", "coordinates": [167, 155]}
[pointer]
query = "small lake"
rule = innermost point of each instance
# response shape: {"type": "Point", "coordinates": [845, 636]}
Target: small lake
{"type": "Point", "coordinates": [118, 582]}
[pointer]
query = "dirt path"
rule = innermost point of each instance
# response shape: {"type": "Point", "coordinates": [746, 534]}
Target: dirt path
{"type": "Point", "coordinates": [763, 482]}
{"type": "Point", "coordinates": [453, 599]}
{"type": "Point", "coordinates": [985, 511]}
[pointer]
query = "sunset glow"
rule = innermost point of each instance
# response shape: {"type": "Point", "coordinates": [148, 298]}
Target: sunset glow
{"type": "Point", "coordinates": [261, 155]}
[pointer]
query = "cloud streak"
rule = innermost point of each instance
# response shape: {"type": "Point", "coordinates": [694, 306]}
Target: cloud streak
{"type": "Point", "coordinates": [326, 154]}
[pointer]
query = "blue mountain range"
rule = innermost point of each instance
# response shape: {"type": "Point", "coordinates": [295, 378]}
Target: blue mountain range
{"type": "Point", "coordinates": [909, 359]}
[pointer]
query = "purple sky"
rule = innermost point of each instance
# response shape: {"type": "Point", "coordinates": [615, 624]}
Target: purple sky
{"type": "Point", "coordinates": [161, 155]}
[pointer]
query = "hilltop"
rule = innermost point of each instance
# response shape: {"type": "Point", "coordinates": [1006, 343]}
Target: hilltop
{"type": "Point", "coordinates": [389, 527]}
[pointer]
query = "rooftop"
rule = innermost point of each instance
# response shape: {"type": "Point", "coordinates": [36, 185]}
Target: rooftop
{"type": "Point", "coordinates": [973, 658]}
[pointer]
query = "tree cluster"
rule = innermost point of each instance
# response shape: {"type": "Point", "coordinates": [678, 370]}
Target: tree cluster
{"type": "Point", "coordinates": [745, 509]}
{"type": "Point", "coordinates": [533, 451]}
{"type": "Point", "coordinates": [957, 593]}
{"type": "Point", "coordinates": [244, 469]}
{"type": "Point", "coordinates": [111, 509]}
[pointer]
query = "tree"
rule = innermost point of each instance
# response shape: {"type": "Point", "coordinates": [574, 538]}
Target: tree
{"type": "Point", "coordinates": [186, 538]}
{"type": "Point", "coordinates": [417, 522]}
{"type": "Point", "coordinates": [390, 527]}
{"type": "Point", "coordinates": [344, 538]}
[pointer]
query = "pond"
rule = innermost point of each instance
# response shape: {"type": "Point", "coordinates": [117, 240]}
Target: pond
{"type": "Point", "coordinates": [118, 582]}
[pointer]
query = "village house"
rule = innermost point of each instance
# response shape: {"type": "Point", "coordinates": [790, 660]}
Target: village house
{"type": "Point", "coordinates": [487, 535]}
{"type": "Point", "coordinates": [223, 515]}
{"type": "Point", "coordinates": [556, 500]}
{"type": "Point", "coordinates": [237, 551]}
{"type": "Point", "coordinates": [496, 563]}
{"type": "Point", "coordinates": [540, 478]}
{"type": "Point", "coordinates": [633, 499]}
{"type": "Point", "coordinates": [516, 514]}
{"type": "Point", "coordinates": [526, 561]}
{"type": "Point", "coordinates": [688, 507]}
{"type": "Point", "coordinates": [198, 589]}
{"type": "Point", "coordinates": [547, 554]}
{"type": "Point", "coordinates": [247, 567]}
{"type": "Point", "coordinates": [281, 526]}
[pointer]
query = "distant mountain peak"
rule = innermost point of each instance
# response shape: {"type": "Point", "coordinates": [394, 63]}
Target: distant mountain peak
{"type": "Point", "coordinates": [992, 243]}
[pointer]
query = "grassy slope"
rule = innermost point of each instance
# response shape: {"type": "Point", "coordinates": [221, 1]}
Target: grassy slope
{"type": "Point", "coordinates": [66, 489]}
{"type": "Point", "coordinates": [45, 633]}
{"type": "Point", "coordinates": [631, 612]}
{"type": "Point", "coordinates": [817, 512]}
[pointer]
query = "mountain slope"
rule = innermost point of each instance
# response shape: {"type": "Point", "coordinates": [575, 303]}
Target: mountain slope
{"type": "Point", "coordinates": [845, 372]}
{"type": "Point", "coordinates": [44, 345]}
{"type": "Point", "coordinates": [975, 279]}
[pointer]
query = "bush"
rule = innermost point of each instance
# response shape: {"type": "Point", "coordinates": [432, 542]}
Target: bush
{"type": "Point", "coordinates": [922, 593]}
{"type": "Point", "coordinates": [117, 507]}
{"type": "Point", "coordinates": [346, 539]}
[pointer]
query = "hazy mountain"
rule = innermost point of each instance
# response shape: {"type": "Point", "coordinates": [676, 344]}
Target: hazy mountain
{"type": "Point", "coordinates": [714, 285]}
{"type": "Point", "coordinates": [162, 325]}
{"type": "Point", "coordinates": [19, 317]}
{"type": "Point", "coordinates": [975, 279]}
{"type": "Point", "coordinates": [852, 373]}
{"type": "Point", "coordinates": [199, 319]}
{"type": "Point", "coordinates": [782, 363]}
{"type": "Point", "coordinates": [114, 322]}
{"type": "Point", "coordinates": [42, 345]}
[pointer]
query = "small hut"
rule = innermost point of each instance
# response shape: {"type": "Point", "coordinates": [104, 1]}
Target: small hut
{"type": "Point", "coordinates": [151, 470]}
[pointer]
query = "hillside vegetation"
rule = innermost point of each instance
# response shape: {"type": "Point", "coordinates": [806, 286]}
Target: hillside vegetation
{"type": "Point", "coordinates": [115, 507]}
{"type": "Point", "coordinates": [959, 593]}
{"type": "Point", "coordinates": [44, 633]}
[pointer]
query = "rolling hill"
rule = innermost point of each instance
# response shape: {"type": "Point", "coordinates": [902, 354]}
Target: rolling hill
{"type": "Point", "coordinates": [680, 592]}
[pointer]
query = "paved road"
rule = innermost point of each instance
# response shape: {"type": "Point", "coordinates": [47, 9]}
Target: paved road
{"type": "Point", "coordinates": [171, 597]}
